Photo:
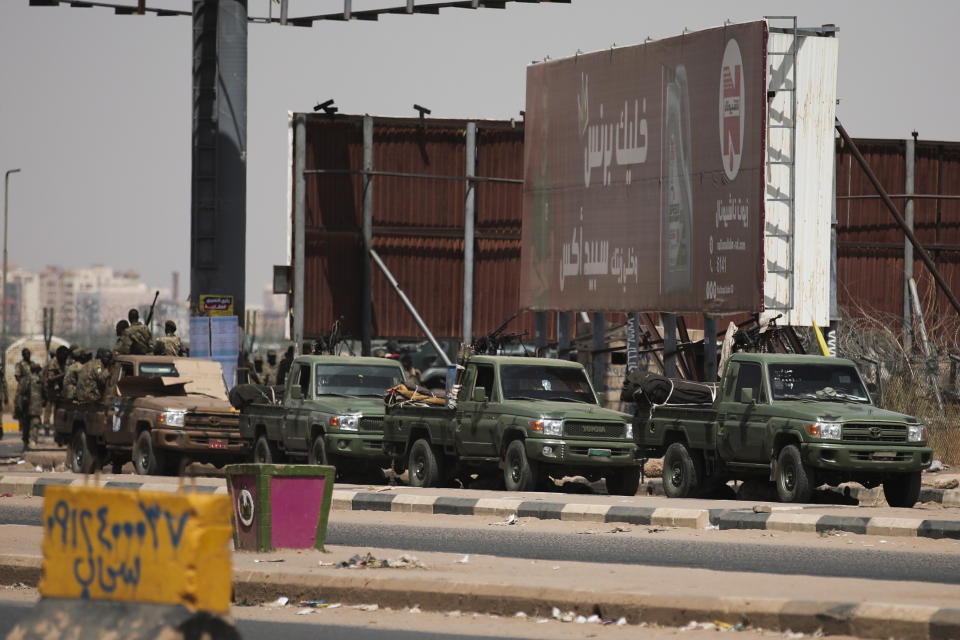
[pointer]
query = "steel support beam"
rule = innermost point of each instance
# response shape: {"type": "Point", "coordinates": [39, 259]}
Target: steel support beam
{"type": "Point", "coordinates": [669, 321]}
{"type": "Point", "coordinates": [598, 355]}
{"type": "Point", "coordinates": [709, 348]}
{"type": "Point", "coordinates": [299, 226]}
{"type": "Point", "coordinates": [219, 171]}
{"type": "Point", "coordinates": [563, 335]}
{"type": "Point", "coordinates": [366, 293]}
{"type": "Point", "coordinates": [468, 233]}
{"type": "Point", "coordinates": [909, 163]}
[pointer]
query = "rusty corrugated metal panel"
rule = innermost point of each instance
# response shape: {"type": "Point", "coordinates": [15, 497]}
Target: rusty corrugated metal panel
{"type": "Point", "coordinates": [418, 226]}
{"type": "Point", "coordinates": [870, 243]}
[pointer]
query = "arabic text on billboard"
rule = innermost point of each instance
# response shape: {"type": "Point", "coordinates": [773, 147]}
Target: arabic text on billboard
{"type": "Point", "coordinates": [644, 174]}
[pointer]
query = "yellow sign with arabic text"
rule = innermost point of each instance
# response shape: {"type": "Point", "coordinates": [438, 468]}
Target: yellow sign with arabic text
{"type": "Point", "coordinates": [116, 544]}
{"type": "Point", "coordinates": [219, 305]}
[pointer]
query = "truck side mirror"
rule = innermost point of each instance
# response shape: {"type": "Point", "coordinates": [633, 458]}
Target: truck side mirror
{"type": "Point", "coordinates": [296, 393]}
{"type": "Point", "coordinates": [746, 395]}
{"type": "Point", "coordinates": [479, 394]}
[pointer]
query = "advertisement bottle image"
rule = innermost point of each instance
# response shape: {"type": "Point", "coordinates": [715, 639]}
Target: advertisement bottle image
{"type": "Point", "coordinates": [677, 195]}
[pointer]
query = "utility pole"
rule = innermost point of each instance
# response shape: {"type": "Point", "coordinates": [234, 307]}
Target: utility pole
{"type": "Point", "coordinates": [3, 335]}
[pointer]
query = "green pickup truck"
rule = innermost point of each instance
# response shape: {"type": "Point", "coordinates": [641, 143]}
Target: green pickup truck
{"type": "Point", "coordinates": [533, 416]}
{"type": "Point", "coordinates": [330, 411]}
{"type": "Point", "coordinates": [800, 421]}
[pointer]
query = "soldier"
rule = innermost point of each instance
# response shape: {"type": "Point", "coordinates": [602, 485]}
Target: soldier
{"type": "Point", "coordinates": [120, 347]}
{"type": "Point", "coordinates": [53, 375]}
{"type": "Point", "coordinates": [22, 370]}
{"type": "Point", "coordinates": [81, 356]}
{"type": "Point", "coordinates": [32, 407]}
{"type": "Point", "coordinates": [93, 377]}
{"type": "Point", "coordinates": [169, 344]}
{"type": "Point", "coordinates": [21, 374]}
{"type": "Point", "coordinates": [136, 338]}
{"type": "Point", "coordinates": [269, 375]}
{"type": "Point", "coordinates": [284, 367]}
{"type": "Point", "coordinates": [258, 374]}
{"type": "Point", "coordinates": [411, 373]}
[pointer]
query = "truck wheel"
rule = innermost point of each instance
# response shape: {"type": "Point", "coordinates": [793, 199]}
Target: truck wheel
{"type": "Point", "coordinates": [318, 451]}
{"type": "Point", "coordinates": [147, 461]}
{"type": "Point", "coordinates": [623, 482]}
{"type": "Point", "coordinates": [794, 483]}
{"type": "Point", "coordinates": [519, 474]}
{"type": "Point", "coordinates": [79, 453]}
{"type": "Point", "coordinates": [902, 490]}
{"type": "Point", "coordinates": [424, 467]}
{"type": "Point", "coordinates": [681, 472]}
{"type": "Point", "coordinates": [264, 451]}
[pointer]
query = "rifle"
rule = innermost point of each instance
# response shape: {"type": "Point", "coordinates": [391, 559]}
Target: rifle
{"type": "Point", "coordinates": [152, 307]}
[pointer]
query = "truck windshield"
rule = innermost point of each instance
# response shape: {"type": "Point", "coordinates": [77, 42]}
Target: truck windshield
{"type": "Point", "coordinates": [356, 380]}
{"type": "Point", "coordinates": [816, 382]}
{"type": "Point", "coordinates": [158, 370]}
{"type": "Point", "coordinates": [543, 382]}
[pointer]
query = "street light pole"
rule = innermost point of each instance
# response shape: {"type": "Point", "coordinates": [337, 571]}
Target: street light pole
{"type": "Point", "coordinates": [3, 335]}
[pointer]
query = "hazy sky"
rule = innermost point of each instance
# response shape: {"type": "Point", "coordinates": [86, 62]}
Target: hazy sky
{"type": "Point", "coordinates": [96, 108]}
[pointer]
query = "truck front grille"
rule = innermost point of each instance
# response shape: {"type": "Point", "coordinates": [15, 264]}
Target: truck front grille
{"type": "Point", "coordinates": [874, 433]}
{"type": "Point", "coordinates": [211, 421]}
{"type": "Point", "coordinates": [371, 424]}
{"type": "Point", "coordinates": [604, 430]}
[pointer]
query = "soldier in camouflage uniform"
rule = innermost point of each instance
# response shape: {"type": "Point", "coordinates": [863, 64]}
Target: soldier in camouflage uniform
{"type": "Point", "coordinates": [169, 344]}
{"type": "Point", "coordinates": [21, 373]}
{"type": "Point", "coordinates": [269, 375]}
{"type": "Point", "coordinates": [32, 407]}
{"type": "Point", "coordinates": [81, 357]}
{"type": "Point", "coordinates": [257, 374]}
{"type": "Point", "coordinates": [53, 374]}
{"type": "Point", "coordinates": [93, 377]}
{"type": "Point", "coordinates": [119, 347]}
{"type": "Point", "coordinates": [136, 338]}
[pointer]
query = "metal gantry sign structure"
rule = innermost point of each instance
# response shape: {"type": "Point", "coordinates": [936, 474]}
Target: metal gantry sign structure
{"type": "Point", "coordinates": [218, 177]}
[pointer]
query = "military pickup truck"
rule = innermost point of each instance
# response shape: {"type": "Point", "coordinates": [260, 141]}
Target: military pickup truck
{"type": "Point", "coordinates": [800, 421]}
{"type": "Point", "coordinates": [533, 416]}
{"type": "Point", "coordinates": [329, 411]}
{"type": "Point", "coordinates": [162, 411]}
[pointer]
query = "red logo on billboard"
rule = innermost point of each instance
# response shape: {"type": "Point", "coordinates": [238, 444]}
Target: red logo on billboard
{"type": "Point", "coordinates": [731, 109]}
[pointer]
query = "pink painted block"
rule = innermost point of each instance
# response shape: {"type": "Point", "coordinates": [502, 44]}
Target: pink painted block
{"type": "Point", "coordinates": [295, 505]}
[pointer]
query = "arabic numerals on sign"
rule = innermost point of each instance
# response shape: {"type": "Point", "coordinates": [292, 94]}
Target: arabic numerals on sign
{"type": "Point", "coordinates": [108, 550]}
{"type": "Point", "coordinates": [711, 290]}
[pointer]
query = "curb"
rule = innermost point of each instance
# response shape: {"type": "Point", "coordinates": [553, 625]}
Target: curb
{"type": "Point", "coordinates": [778, 519]}
{"type": "Point", "coordinates": [864, 619]}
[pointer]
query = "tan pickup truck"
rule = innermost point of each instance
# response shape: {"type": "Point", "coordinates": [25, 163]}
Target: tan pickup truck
{"type": "Point", "coordinates": [161, 411]}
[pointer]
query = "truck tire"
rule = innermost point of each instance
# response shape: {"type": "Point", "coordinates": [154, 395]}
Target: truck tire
{"type": "Point", "coordinates": [682, 474]}
{"type": "Point", "coordinates": [81, 457]}
{"type": "Point", "coordinates": [147, 461]}
{"type": "Point", "coordinates": [265, 451]}
{"type": "Point", "coordinates": [519, 474]}
{"type": "Point", "coordinates": [902, 490]}
{"type": "Point", "coordinates": [424, 466]}
{"type": "Point", "coordinates": [794, 481]}
{"type": "Point", "coordinates": [623, 482]}
{"type": "Point", "coordinates": [318, 451]}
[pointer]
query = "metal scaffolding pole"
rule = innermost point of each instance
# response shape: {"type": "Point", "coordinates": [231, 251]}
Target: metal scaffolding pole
{"type": "Point", "coordinates": [468, 233]}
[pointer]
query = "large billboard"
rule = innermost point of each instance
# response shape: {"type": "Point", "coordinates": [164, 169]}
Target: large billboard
{"type": "Point", "coordinates": [644, 176]}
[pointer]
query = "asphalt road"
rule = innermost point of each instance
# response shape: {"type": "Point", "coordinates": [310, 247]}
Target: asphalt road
{"type": "Point", "coordinates": [13, 612]}
{"type": "Point", "coordinates": [667, 552]}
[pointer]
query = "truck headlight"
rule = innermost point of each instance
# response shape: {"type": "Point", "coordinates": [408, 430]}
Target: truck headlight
{"type": "Point", "coordinates": [345, 423]}
{"type": "Point", "coordinates": [629, 431]}
{"type": "Point", "coordinates": [916, 433]}
{"type": "Point", "coordinates": [547, 427]}
{"type": "Point", "coordinates": [825, 430]}
{"type": "Point", "coordinates": [171, 418]}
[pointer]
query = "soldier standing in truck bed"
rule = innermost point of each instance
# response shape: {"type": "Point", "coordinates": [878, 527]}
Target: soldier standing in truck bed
{"type": "Point", "coordinates": [269, 375]}
{"type": "Point", "coordinates": [120, 347]}
{"type": "Point", "coordinates": [169, 344]}
{"type": "Point", "coordinates": [136, 339]}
